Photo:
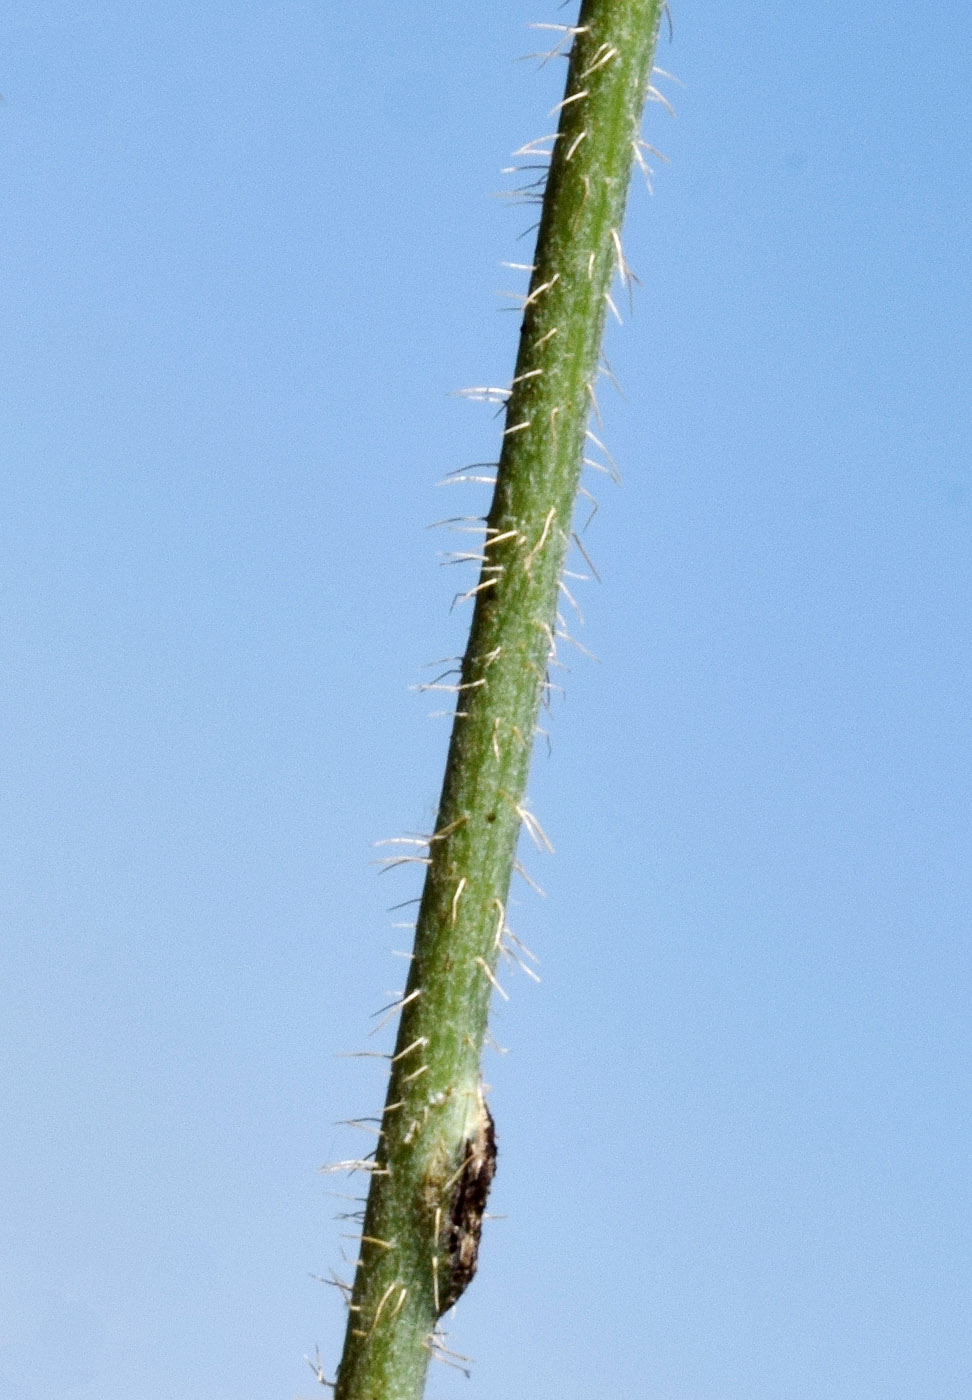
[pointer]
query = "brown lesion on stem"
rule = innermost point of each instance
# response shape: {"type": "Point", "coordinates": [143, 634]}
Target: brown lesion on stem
{"type": "Point", "coordinates": [463, 1225]}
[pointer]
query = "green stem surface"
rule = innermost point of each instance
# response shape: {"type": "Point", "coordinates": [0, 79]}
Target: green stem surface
{"type": "Point", "coordinates": [407, 1273]}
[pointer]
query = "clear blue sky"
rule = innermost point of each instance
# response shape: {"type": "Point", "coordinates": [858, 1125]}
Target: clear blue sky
{"type": "Point", "coordinates": [248, 250]}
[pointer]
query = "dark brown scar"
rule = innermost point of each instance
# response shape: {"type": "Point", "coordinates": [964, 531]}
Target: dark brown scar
{"type": "Point", "coordinates": [466, 1206]}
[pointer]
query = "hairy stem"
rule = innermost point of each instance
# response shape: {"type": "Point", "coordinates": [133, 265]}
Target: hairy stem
{"type": "Point", "coordinates": [431, 1171]}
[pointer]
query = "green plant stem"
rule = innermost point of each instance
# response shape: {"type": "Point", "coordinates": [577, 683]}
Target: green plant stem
{"type": "Point", "coordinates": [434, 1121]}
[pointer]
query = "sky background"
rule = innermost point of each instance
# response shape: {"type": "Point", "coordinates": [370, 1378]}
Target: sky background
{"type": "Point", "coordinates": [249, 250]}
